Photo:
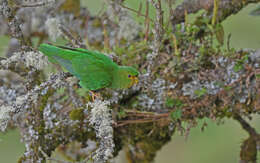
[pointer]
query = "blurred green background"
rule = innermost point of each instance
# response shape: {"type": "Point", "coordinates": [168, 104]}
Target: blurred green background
{"type": "Point", "coordinates": [218, 143]}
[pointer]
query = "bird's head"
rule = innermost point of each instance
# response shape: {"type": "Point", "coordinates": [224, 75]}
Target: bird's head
{"type": "Point", "coordinates": [128, 76]}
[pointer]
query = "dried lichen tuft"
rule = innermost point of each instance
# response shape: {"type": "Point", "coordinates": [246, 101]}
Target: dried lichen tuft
{"type": "Point", "coordinates": [186, 69]}
{"type": "Point", "coordinates": [101, 120]}
{"type": "Point", "coordinates": [4, 116]}
{"type": "Point", "coordinates": [30, 59]}
{"type": "Point", "coordinates": [52, 27]}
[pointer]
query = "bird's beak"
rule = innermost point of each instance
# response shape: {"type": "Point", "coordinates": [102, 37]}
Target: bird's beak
{"type": "Point", "coordinates": [135, 79]}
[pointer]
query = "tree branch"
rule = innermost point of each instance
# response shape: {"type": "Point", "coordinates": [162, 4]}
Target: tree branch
{"type": "Point", "coordinates": [225, 8]}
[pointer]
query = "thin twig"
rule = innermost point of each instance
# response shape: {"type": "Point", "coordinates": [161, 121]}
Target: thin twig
{"type": "Point", "coordinates": [171, 10]}
{"type": "Point", "coordinates": [147, 114]}
{"type": "Point", "coordinates": [147, 118]}
{"type": "Point", "coordinates": [49, 158]}
{"type": "Point", "coordinates": [215, 12]}
{"type": "Point", "coordinates": [158, 33]}
{"type": "Point", "coordinates": [76, 41]}
{"type": "Point", "coordinates": [228, 41]}
{"type": "Point", "coordinates": [140, 9]}
{"type": "Point", "coordinates": [138, 121]}
{"type": "Point", "coordinates": [13, 23]}
{"type": "Point", "coordinates": [147, 21]}
{"type": "Point", "coordinates": [32, 5]}
{"type": "Point", "coordinates": [106, 35]}
{"type": "Point", "coordinates": [137, 12]}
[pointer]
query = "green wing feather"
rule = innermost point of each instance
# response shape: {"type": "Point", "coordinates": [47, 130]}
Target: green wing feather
{"type": "Point", "coordinates": [92, 68]}
{"type": "Point", "coordinates": [93, 73]}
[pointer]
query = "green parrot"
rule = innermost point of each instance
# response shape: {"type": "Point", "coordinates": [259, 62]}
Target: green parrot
{"type": "Point", "coordinates": [94, 70]}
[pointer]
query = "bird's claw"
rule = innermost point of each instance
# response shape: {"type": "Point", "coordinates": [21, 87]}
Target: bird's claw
{"type": "Point", "coordinates": [94, 95]}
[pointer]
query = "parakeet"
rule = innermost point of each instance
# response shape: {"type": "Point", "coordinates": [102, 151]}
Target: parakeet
{"type": "Point", "coordinates": [94, 69]}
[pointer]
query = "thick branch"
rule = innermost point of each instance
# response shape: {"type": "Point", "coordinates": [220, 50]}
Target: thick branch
{"type": "Point", "coordinates": [14, 24]}
{"type": "Point", "coordinates": [246, 126]}
{"type": "Point", "coordinates": [249, 147]}
{"type": "Point", "coordinates": [225, 9]}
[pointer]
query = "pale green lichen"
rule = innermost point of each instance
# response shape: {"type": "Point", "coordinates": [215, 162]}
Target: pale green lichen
{"type": "Point", "coordinates": [4, 116]}
{"type": "Point", "coordinates": [101, 120]}
{"type": "Point", "coordinates": [52, 27]}
{"type": "Point", "coordinates": [36, 59]}
{"type": "Point", "coordinates": [30, 59]}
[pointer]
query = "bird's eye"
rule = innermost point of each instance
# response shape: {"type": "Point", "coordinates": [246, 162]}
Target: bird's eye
{"type": "Point", "coordinates": [129, 76]}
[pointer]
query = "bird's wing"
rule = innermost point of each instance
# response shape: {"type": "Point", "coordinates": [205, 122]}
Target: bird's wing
{"type": "Point", "coordinates": [92, 72]}
{"type": "Point", "coordinates": [58, 52]}
{"type": "Point", "coordinates": [64, 56]}
{"type": "Point", "coordinates": [82, 51]}
{"type": "Point", "coordinates": [59, 55]}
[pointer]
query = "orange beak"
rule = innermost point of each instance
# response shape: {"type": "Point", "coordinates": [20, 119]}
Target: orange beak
{"type": "Point", "coordinates": [134, 80]}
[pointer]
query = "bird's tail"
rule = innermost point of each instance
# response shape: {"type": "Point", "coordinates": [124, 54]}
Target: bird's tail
{"type": "Point", "coordinates": [59, 51]}
{"type": "Point", "coordinates": [49, 50]}
{"type": "Point", "coordinates": [60, 55]}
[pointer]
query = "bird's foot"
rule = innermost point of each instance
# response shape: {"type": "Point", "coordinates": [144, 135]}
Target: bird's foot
{"type": "Point", "coordinates": [94, 95]}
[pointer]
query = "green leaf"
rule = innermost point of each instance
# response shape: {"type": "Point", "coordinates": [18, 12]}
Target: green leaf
{"type": "Point", "coordinates": [244, 58]}
{"type": "Point", "coordinates": [227, 88]}
{"type": "Point", "coordinates": [240, 63]}
{"type": "Point", "coordinates": [121, 114]}
{"type": "Point", "coordinates": [219, 31]}
{"type": "Point", "coordinates": [169, 102]}
{"type": "Point", "coordinates": [176, 114]}
{"type": "Point", "coordinates": [173, 103]}
{"type": "Point", "coordinates": [238, 67]}
{"type": "Point", "coordinates": [201, 92]}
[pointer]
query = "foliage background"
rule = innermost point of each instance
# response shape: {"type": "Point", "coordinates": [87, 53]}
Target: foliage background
{"type": "Point", "coordinates": [216, 144]}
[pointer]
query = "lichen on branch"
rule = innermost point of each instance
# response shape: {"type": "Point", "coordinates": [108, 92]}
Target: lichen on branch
{"type": "Point", "coordinates": [184, 77]}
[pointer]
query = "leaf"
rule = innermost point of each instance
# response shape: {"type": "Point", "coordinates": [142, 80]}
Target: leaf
{"type": "Point", "coordinates": [240, 63]}
{"type": "Point", "coordinates": [176, 114]}
{"type": "Point", "coordinates": [201, 92]}
{"type": "Point", "coordinates": [219, 32]}
{"type": "Point", "coordinates": [122, 114]}
{"type": "Point", "coordinates": [227, 88]}
{"type": "Point", "coordinates": [238, 67]}
{"type": "Point", "coordinates": [174, 103]}
{"type": "Point", "coordinates": [257, 76]}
